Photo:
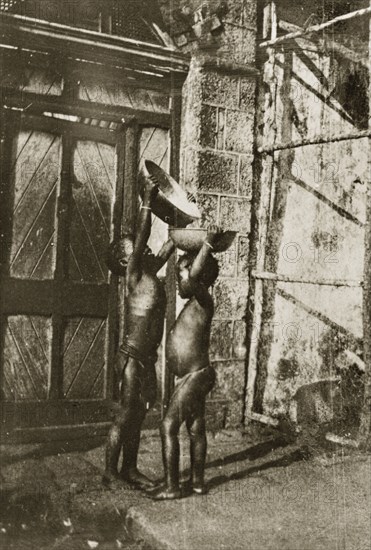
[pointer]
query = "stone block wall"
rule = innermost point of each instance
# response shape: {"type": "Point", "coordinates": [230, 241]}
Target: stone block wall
{"type": "Point", "coordinates": [216, 164]}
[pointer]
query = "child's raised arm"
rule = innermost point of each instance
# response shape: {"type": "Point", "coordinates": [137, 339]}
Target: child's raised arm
{"type": "Point", "coordinates": [199, 262]}
{"type": "Point", "coordinates": [164, 253]}
{"type": "Point", "coordinates": [143, 233]}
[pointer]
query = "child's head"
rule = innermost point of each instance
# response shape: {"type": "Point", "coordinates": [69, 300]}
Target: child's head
{"type": "Point", "coordinates": [208, 276]}
{"type": "Point", "coordinates": [118, 254]}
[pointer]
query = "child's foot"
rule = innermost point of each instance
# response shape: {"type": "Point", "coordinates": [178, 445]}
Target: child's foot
{"type": "Point", "coordinates": [199, 488]}
{"type": "Point", "coordinates": [109, 478]}
{"type": "Point", "coordinates": [137, 479]}
{"type": "Point", "coordinates": [165, 494]}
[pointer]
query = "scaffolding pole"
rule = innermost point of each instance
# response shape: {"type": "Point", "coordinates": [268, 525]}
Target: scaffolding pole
{"type": "Point", "coordinates": [314, 141]}
{"type": "Point", "coordinates": [315, 28]}
{"type": "Point", "coordinates": [364, 435]}
{"type": "Point", "coordinates": [276, 277]}
{"type": "Point", "coordinates": [255, 319]}
{"type": "Point", "coordinates": [326, 44]}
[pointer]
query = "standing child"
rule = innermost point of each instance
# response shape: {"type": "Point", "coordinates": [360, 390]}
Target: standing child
{"type": "Point", "coordinates": [136, 359]}
{"type": "Point", "coordinates": [188, 358]}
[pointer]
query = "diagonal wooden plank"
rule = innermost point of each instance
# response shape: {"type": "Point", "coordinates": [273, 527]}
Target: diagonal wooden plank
{"type": "Point", "coordinates": [82, 335]}
{"type": "Point", "coordinates": [21, 193]}
{"type": "Point", "coordinates": [142, 148]}
{"type": "Point", "coordinates": [43, 209]}
{"type": "Point", "coordinates": [23, 361]}
{"type": "Point", "coordinates": [75, 383]}
{"type": "Point", "coordinates": [43, 254]}
{"type": "Point", "coordinates": [162, 161]}
{"type": "Point", "coordinates": [36, 362]}
{"type": "Point", "coordinates": [154, 144]}
{"type": "Point", "coordinates": [74, 333]}
{"type": "Point", "coordinates": [38, 336]}
{"type": "Point", "coordinates": [38, 190]}
{"type": "Point", "coordinates": [89, 240]}
{"type": "Point", "coordinates": [23, 139]}
{"type": "Point", "coordinates": [83, 383]}
{"type": "Point", "coordinates": [92, 190]}
{"type": "Point", "coordinates": [7, 391]}
{"type": "Point", "coordinates": [98, 385]}
{"type": "Point", "coordinates": [76, 264]}
{"type": "Point", "coordinates": [111, 178]}
{"type": "Point", "coordinates": [47, 262]}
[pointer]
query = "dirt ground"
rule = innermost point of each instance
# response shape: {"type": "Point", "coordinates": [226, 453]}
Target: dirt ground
{"type": "Point", "coordinates": [265, 492]}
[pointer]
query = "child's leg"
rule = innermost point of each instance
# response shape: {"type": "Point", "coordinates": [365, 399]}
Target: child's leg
{"type": "Point", "coordinates": [170, 450]}
{"type": "Point", "coordinates": [197, 430]}
{"type": "Point", "coordinates": [125, 430]}
{"type": "Point", "coordinates": [174, 418]}
{"type": "Point", "coordinates": [198, 445]}
{"type": "Point", "coordinates": [147, 396]}
{"type": "Point", "coordinates": [115, 434]}
{"type": "Point", "coordinates": [184, 403]}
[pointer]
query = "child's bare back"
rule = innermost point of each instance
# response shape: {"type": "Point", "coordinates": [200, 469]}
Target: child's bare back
{"type": "Point", "coordinates": [188, 358]}
{"type": "Point", "coordinates": [188, 342]}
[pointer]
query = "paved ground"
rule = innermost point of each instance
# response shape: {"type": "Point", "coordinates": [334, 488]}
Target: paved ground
{"type": "Point", "coordinates": [265, 493]}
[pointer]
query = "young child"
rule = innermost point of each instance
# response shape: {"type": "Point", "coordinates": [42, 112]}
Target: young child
{"type": "Point", "coordinates": [188, 358]}
{"type": "Point", "coordinates": [135, 362]}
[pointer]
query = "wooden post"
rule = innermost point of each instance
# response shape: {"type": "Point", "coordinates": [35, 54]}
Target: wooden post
{"type": "Point", "coordinates": [55, 390]}
{"type": "Point", "coordinates": [128, 196]}
{"type": "Point", "coordinates": [254, 320]}
{"type": "Point", "coordinates": [116, 288]}
{"type": "Point", "coordinates": [364, 435]}
{"type": "Point", "coordinates": [168, 378]}
{"type": "Point", "coordinates": [130, 176]}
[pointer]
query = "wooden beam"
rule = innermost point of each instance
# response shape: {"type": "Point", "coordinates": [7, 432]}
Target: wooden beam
{"type": "Point", "coordinates": [59, 412]}
{"type": "Point", "coordinates": [366, 12]}
{"type": "Point", "coordinates": [29, 297]}
{"type": "Point", "coordinates": [254, 319]}
{"type": "Point", "coordinates": [38, 104]}
{"type": "Point", "coordinates": [167, 376]}
{"type": "Point", "coordinates": [271, 148]}
{"type": "Point", "coordinates": [275, 277]}
{"type": "Point", "coordinates": [26, 297]}
{"type": "Point", "coordinates": [326, 44]}
{"type": "Point", "coordinates": [264, 419]}
{"type": "Point", "coordinates": [70, 438]}
{"type": "Point", "coordinates": [343, 441]}
{"type": "Point", "coordinates": [81, 43]}
{"type": "Point", "coordinates": [128, 77]}
{"type": "Point", "coordinates": [130, 175]}
{"type": "Point", "coordinates": [61, 127]}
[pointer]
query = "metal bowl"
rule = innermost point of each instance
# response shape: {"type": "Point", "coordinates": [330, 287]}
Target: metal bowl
{"type": "Point", "coordinates": [171, 204]}
{"type": "Point", "coordinates": [191, 239]}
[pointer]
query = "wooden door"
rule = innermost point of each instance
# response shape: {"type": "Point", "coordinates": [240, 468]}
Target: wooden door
{"type": "Point", "coordinates": [57, 303]}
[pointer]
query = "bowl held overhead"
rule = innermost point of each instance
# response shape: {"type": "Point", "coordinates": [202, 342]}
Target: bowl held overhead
{"type": "Point", "coordinates": [172, 204]}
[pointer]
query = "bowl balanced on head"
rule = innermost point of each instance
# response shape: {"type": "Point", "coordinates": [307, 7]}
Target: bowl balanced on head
{"type": "Point", "coordinates": [191, 239]}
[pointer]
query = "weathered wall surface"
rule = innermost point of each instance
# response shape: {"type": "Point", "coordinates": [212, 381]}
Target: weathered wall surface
{"type": "Point", "coordinates": [316, 232]}
{"type": "Point", "coordinates": [216, 164]}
